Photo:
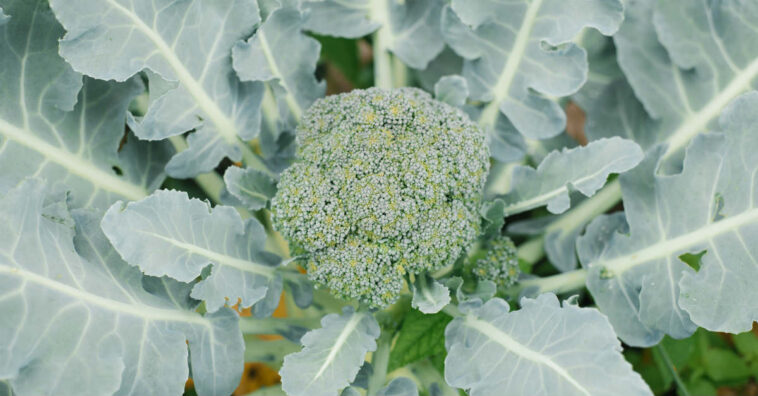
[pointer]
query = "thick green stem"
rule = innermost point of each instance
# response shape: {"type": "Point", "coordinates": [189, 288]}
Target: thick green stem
{"type": "Point", "coordinates": [379, 362]}
{"type": "Point", "coordinates": [561, 283]}
{"type": "Point", "coordinates": [399, 73]}
{"type": "Point", "coordinates": [576, 217]}
{"type": "Point", "coordinates": [532, 250]}
{"type": "Point", "coordinates": [381, 42]}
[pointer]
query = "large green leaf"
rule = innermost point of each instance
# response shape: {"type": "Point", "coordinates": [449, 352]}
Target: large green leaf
{"type": "Point", "coordinates": [279, 52]}
{"type": "Point", "coordinates": [584, 169]}
{"type": "Point", "coordinates": [520, 53]}
{"type": "Point", "coordinates": [638, 279]}
{"type": "Point", "coordinates": [409, 28]}
{"type": "Point", "coordinates": [332, 355]}
{"type": "Point", "coordinates": [681, 84]}
{"type": "Point", "coordinates": [188, 42]}
{"type": "Point", "coordinates": [53, 128]}
{"type": "Point", "coordinates": [170, 234]}
{"type": "Point", "coordinates": [78, 320]}
{"type": "Point", "coordinates": [687, 60]}
{"type": "Point", "coordinates": [542, 349]}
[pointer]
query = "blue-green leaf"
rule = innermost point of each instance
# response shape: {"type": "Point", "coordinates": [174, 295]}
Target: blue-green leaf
{"type": "Point", "coordinates": [280, 53]}
{"type": "Point", "coordinates": [452, 90]}
{"type": "Point", "coordinates": [188, 42]}
{"type": "Point", "coordinates": [584, 169]}
{"type": "Point", "coordinates": [429, 296]}
{"type": "Point", "coordinates": [332, 355]}
{"type": "Point", "coordinates": [169, 234]}
{"type": "Point", "coordinates": [410, 28]}
{"type": "Point", "coordinates": [541, 349]}
{"type": "Point", "coordinates": [709, 206]}
{"type": "Point", "coordinates": [251, 187]}
{"type": "Point", "coordinates": [520, 53]}
{"type": "Point", "coordinates": [77, 320]}
{"type": "Point", "coordinates": [53, 128]}
{"type": "Point", "coordinates": [685, 63]}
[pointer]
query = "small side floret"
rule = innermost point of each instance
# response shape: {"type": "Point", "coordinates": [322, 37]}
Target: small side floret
{"type": "Point", "coordinates": [500, 263]}
{"type": "Point", "coordinates": [386, 182]}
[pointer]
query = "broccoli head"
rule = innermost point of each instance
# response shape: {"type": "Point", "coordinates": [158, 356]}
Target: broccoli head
{"type": "Point", "coordinates": [387, 182]}
{"type": "Point", "coordinates": [500, 263]}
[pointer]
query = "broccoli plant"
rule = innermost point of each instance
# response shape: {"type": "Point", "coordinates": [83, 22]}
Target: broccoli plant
{"type": "Point", "coordinates": [413, 197]}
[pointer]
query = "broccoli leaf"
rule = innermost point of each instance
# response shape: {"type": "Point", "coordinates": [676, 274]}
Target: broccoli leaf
{"type": "Point", "coordinates": [189, 42]}
{"type": "Point", "coordinates": [77, 320]}
{"type": "Point", "coordinates": [170, 234]}
{"type": "Point", "coordinates": [53, 128]}
{"type": "Point", "coordinates": [603, 66]}
{"type": "Point", "coordinates": [583, 168]}
{"type": "Point", "coordinates": [332, 355]}
{"type": "Point", "coordinates": [640, 276]}
{"type": "Point", "coordinates": [429, 296]}
{"type": "Point", "coordinates": [502, 41]}
{"type": "Point", "coordinates": [421, 336]}
{"type": "Point", "coordinates": [684, 98]}
{"type": "Point", "coordinates": [616, 111]}
{"type": "Point", "coordinates": [541, 349]}
{"type": "Point", "coordinates": [278, 51]}
{"type": "Point", "coordinates": [250, 186]}
{"type": "Point", "coordinates": [686, 89]}
{"type": "Point", "coordinates": [411, 29]}
{"type": "Point", "coordinates": [452, 90]}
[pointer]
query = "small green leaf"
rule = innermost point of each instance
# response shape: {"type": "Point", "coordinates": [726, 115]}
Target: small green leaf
{"type": "Point", "coordinates": [747, 345]}
{"type": "Point", "coordinates": [420, 336]}
{"type": "Point", "coordinates": [701, 387]}
{"type": "Point", "coordinates": [724, 365]}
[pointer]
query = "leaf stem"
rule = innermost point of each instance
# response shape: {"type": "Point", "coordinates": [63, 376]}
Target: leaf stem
{"type": "Point", "coordinates": [681, 388]}
{"type": "Point", "coordinates": [379, 361]}
{"type": "Point", "coordinates": [561, 283]}
{"type": "Point", "coordinates": [399, 73]}
{"type": "Point", "coordinates": [382, 61]}
{"type": "Point", "coordinates": [576, 217]}
{"type": "Point", "coordinates": [452, 311]}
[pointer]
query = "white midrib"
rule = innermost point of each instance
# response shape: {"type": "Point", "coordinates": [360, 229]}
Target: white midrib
{"type": "Point", "coordinates": [74, 164]}
{"type": "Point", "coordinates": [541, 199]}
{"type": "Point", "coordinates": [514, 346]}
{"type": "Point", "coordinates": [667, 247]}
{"type": "Point", "coordinates": [291, 102]}
{"type": "Point", "coordinates": [218, 258]}
{"type": "Point", "coordinates": [503, 84]}
{"type": "Point", "coordinates": [139, 310]}
{"type": "Point", "coordinates": [223, 124]}
{"type": "Point", "coordinates": [341, 340]}
{"type": "Point", "coordinates": [695, 123]}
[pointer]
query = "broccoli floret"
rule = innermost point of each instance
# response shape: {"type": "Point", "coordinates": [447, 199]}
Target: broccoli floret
{"type": "Point", "coordinates": [387, 182]}
{"type": "Point", "coordinates": [500, 263]}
